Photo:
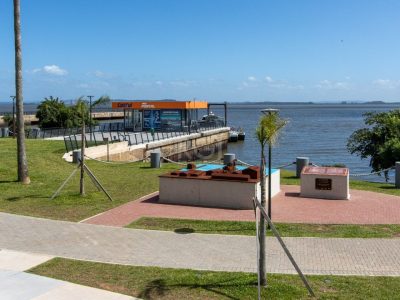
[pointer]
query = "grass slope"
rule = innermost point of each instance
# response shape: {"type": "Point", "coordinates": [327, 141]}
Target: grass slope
{"type": "Point", "coordinates": [158, 283]}
{"type": "Point", "coordinates": [285, 229]}
{"type": "Point", "coordinates": [48, 171]}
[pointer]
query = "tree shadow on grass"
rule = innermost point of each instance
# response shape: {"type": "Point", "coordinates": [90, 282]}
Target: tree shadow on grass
{"type": "Point", "coordinates": [184, 230]}
{"type": "Point", "coordinates": [158, 288]}
{"type": "Point", "coordinates": [18, 198]}
{"type": "Point", "coordinates": [8, 181]}
{"type": "Point", "coordinates": [290, 177]}
{"type": "Point", "coordinates": [187, 230]}
{"type": "Point", "coordinates": [388, 187]}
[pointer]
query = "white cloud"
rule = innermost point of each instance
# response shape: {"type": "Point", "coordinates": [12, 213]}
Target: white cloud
{"type": "Point", "coordinates": [83, 85]}
{"type": "Point", "coordinates": [99, 74]}
{"type": "Point", "coordinates": [183, 83]}
{"type": "Point", "coordinates": [54, 70]}
{"type": "Point", "coordinates": [332, 85]}
{"type": "Point", "coordinates": [50, 69]}
{"type": "Point", "coordinates": [387, 83]}
{"type": "Point", "coordinates": [159, 82]}
{"type": "Point", "coordinates": [268, 82]}
{"type": "Point", "coordinates": [268, 79]}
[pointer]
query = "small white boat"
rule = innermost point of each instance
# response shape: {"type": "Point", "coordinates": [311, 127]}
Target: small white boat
{"type": "Point", "coordinates": [233, 136]}
{"type": "Point", "coordinates": [241, 134]}
{"type": "Point", "coordinates": [211, 119]}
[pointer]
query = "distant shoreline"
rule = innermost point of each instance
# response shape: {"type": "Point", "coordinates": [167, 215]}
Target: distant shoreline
{"type": "Point", "coordinates": [31, 107]}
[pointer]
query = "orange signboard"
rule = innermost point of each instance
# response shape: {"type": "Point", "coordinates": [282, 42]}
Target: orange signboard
{"type": "Point", "coordinates": [159, 104]}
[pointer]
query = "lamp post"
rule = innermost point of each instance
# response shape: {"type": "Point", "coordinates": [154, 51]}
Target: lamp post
{"type": "Point", "coordinates": [90, 116]}
{"type": "Point", "coordinates": [269, 111]}
{"type": "Point", "coordinates": [13, 112]}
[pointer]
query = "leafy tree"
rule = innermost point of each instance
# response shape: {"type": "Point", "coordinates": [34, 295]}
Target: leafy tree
{"type": "Point", "coordinates": [82, 108]}
{"type": "Point", "coordinates": [52, 112]}
{"type": "Point", "coordinates": [8, 119]}
{"type": "Point", "coordinates": [380, 141]}
{"type": "Point", "coordinates": [267, 133]}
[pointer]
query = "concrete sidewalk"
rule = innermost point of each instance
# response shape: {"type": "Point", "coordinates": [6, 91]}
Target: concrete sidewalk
{"type": "Point", "coordinates": [197, 251]}
{"type": "Point", "coordinates": [15, 284]}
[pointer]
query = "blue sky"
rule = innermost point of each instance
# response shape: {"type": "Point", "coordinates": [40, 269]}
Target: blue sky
{"type": "Point", "coordinates": [217, 50]}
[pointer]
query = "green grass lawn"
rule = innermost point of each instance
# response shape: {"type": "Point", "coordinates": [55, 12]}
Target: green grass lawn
{"type": "Point", "coordinates": [160, 283]}
{"type": "Point", "coordinates": [285, 229]}
{"type": "Point", "coordinates": [124, 183]}
{"type": "Point", "coordinates": [48, 170]}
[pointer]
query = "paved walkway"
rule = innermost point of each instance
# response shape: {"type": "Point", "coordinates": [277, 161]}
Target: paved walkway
{"type": "Point", "coordinates": [196, 251]}
{"type": "Point", "coordinates": [18, 285]}
{"type": "Point", "coordinates": [363, 208]}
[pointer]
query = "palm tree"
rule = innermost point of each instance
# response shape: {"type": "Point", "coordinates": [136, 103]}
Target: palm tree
{"type": "Point", "coordinates": [23, 174]}
{"type": "Point", "coordinates": [85, 107]}
{"type": "Point", "coordinates": [267, 133]}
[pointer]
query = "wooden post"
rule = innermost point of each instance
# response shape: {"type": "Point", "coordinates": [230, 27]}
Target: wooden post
{"type": "Point", "coordinates": [83, 145]}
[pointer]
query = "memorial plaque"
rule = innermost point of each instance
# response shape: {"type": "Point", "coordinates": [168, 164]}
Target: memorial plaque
{"type": "Point", "coordinates": [324, 184]}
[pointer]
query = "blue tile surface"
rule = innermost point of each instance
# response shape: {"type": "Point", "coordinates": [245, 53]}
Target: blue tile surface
{"type": "Point", "coordinates": [208, 167]}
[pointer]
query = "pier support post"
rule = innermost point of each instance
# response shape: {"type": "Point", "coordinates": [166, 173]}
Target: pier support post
{"type": "Point", "coordinates": [397, 175]}
{"type": "Point", "coordinates": [301, 162]}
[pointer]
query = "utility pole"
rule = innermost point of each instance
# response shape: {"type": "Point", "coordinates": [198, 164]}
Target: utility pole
{"type": "Point", "coordinates": [13, 112]}
{"type": "Point", "coordinates": [90, 116]}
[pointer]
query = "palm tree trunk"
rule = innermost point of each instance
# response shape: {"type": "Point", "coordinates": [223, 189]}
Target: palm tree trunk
{"type": "Point", "coordinates": [23, 174]}
{"type": "Point", "coordinates": [262, 265]}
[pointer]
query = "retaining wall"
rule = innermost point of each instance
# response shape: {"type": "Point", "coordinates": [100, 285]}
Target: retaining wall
{"type": "Point", "coordinates": [184, 147]}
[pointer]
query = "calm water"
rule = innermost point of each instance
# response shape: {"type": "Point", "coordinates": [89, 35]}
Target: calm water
{"type": "Point", "coordinates": [319, 132]}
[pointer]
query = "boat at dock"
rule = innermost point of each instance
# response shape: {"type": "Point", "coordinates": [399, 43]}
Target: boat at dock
{"type": "Point", "coordinates": [233, 136]}
{"type": "Point", "coordinates": [241, 134]}
{"type": "Point", "coordinates": [211, 119]}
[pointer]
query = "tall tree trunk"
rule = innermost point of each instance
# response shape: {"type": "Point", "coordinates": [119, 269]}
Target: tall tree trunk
{"type": "Point", "coordinates": [262, 265]}
{"type": "Point", "coordinates": [23, 174]}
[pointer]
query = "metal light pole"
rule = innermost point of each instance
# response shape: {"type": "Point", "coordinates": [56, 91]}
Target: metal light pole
{"type": "Point", "coordinates": [13, 119]}
{"type": "Point", "coordinates": [90, 116]}
{"type": "Point", "coordinates": [269, 111]}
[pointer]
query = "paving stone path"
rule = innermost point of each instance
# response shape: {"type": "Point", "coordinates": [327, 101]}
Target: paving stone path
{"type": "Point", "coordinates": [365, 207]}
{"type": "Point", "coordinates": [196, 251]}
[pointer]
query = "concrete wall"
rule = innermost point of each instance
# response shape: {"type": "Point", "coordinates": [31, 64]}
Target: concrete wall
{"type": "Point", "coordinates": [180, 145]}
{"type": "Point", "coordinates": [340, 187]}
{"type": "Point", "coordinates": [213, 193]}
{"type": "Point", "coordinates": [210, 193]}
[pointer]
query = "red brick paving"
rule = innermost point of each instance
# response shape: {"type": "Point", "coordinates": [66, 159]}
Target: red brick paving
{"type": "Point", "coordinates": [363, 208]}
